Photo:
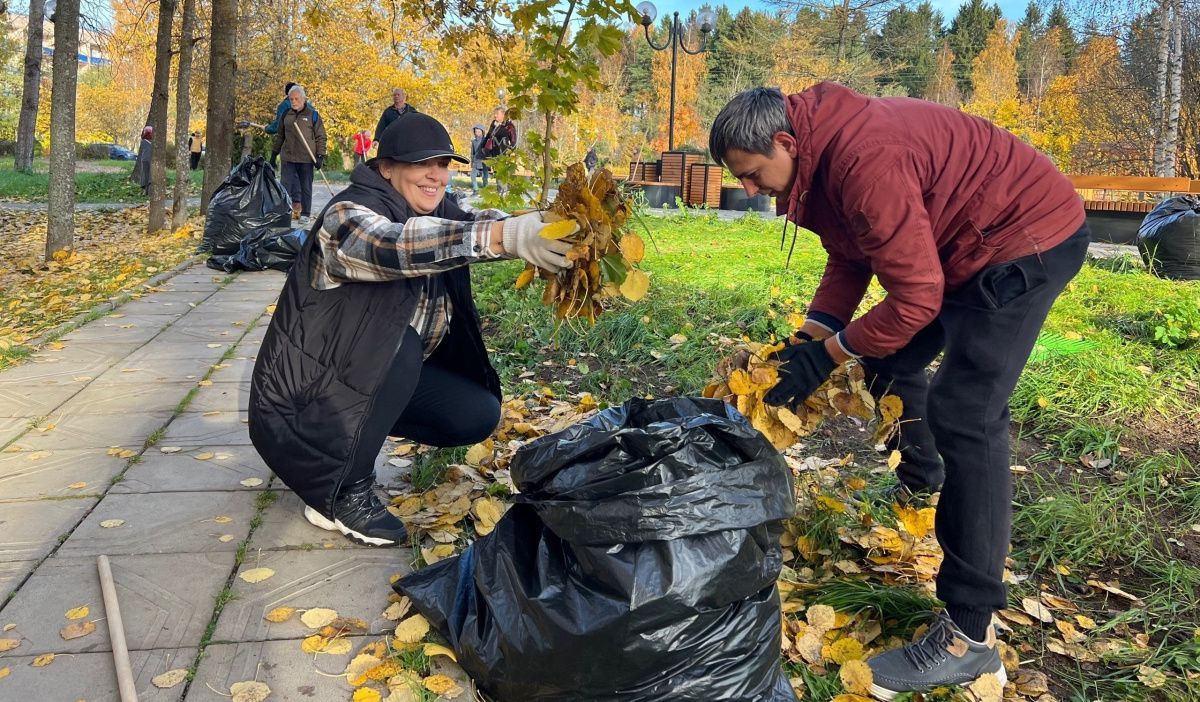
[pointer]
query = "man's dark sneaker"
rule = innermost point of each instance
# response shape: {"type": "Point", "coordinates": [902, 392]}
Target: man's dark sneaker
{"type": "Point", "coordinates": [360, 514]}
{"type": "Point", "coordinates": [943, 656]}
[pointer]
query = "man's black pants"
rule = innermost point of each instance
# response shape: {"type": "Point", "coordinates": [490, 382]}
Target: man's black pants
{"type": "Point", "coordinates": [987, 329]}
{"type": "Point", "coordinates": [298, 179]}
{"type": "Point", "coordinates": [425, 402]}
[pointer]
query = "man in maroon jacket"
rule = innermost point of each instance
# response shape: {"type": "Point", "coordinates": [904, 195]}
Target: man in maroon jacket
{"type": "Point", "coordinates": [973, 234]}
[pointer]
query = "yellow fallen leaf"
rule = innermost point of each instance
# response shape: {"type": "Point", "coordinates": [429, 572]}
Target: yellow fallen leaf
{"type": "Point", "coordinates": [169, 679]}
{"type": "Point", "coordinates": [279, 614]}
{"type": "Point", "coordinates": [891, 407]}
{"type": "Point", "coordinates": [525, 278]}
{"type": "Point", "coordinates": [560, 229]}
{"type": "Point", "coordinates": [412, 630]}
{"type": "Point", "coordinates": [479, 453]}
{"type": "Point", "coordinates": [9, 644]}
{"type": "Point", "coordinates": [77, 613]}
{"type": "Point", "coordinates": [917, 522]}
{"type": "Point", "coordinates": [633, 248]}
{"type": "Point", "coordinates": [4, 672]}
{"type": "Point", "coordinates": [397, 610]}
{"type": "Point", "coordinates": [222, 519]}
{"type": "Point", "coordinates": [845, 649]}
{"type": "Point", "coordinates": [316, 643]}
{"type": "Point", "coordinates": [365, 694]}
{"type": "Point", "coordinates": [43, 660]}
{"type": "Point", "coordinates": [77, 630]}
{"type": "Point", "coordinates": [1151, 677]}
{"type": "Point", "coordinates": [170, 449]}
{"type": "Point", "coordinates": [77, 486]}
{"type": "Point", "coordinates": [987, 688]}
{"type": "Point", "coordinates": [256, 575]}
{"type": "Point", "coordinates": [111, 523]}
{"type": "Point", "coordinates": [1034, 608]}
{"type": "Point", "coordinates": [439, 684]}
{"type": "Point", "coordinates": [636, 284]}
{"type": "Point", "coordinates": [204, 455]}
{"type": "Point", "coordinates": [856, 678]}
{"type": "Point", "coordinates": [356, 669]}
{"type": "Point", "coordinates": [821, 617]}
{"type": "Point", "coordinates": [893, 460]}
{"type": "Point", "coordinates": [249, 691]}
{"type": "Point", "coordinates": [252, 482]}
{"type": "Point", "coordinates": [1085, 622]}
{"type": "Point", "coordinates": [318, 617]}
{"type": "Point", "coordinates": [432, 649]}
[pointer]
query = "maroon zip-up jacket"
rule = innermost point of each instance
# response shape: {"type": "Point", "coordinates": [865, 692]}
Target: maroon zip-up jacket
{"type": "Point", "coordinates": [921, 196]}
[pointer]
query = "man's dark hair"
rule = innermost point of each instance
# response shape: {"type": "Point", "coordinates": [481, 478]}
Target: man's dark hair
{"type": "Point", "coordinates": [287, 89]}
{"type": "Point", "coordinates": [749, 122]}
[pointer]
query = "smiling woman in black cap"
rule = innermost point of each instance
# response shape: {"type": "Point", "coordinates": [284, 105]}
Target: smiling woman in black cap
{"type": "Point", "coordinates": [376, 333]}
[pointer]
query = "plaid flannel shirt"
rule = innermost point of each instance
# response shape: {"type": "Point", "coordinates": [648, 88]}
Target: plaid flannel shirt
{"type": "Point", "coordinates": [357, 245]}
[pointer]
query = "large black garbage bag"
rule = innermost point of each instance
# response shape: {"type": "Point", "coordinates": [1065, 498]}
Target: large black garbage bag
{"type": "Point", "coordinates": [638, 563]}
{"type": "Point", "coordinates": [251, 202]}
{"type": "Point", "coordinates": [262, 251]}
{"type": "Point", "coordinates": [1169, 238]}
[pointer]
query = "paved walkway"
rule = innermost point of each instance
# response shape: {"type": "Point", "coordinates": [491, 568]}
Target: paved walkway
{"type": "Point", "coordinates": [130, 440]}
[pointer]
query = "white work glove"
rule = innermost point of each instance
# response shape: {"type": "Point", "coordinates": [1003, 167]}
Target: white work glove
{"type": "Point", "coordinates": [522, 238]}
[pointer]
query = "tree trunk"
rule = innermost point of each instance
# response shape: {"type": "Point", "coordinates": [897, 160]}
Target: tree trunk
{"type": "Point", "coordinates": [1174, 93]}
{"type": "Point", "coordinates": [1160, 84]}
{"type": "Point", "coordinates": [158, 118]}
{"type": "Point", "coordinates": [183, 115]}
{"type": "Point", "coordinates": [60, 229]}
{"type": "Point", "coordinates": [222, 69]}
{"type": "Point", "coordinates": [27, 126]}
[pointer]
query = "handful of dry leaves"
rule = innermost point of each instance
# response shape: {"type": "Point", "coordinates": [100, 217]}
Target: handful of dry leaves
{"type": "Point", "coordinates": [745, 377]}
{"type": "Point", "coordinates": [603, 254]}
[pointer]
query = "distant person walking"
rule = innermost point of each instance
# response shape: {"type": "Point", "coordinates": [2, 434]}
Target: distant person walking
{"type": "Point", "coordinates": [195, 150]}
{"type": "Point", "coordinates": [300, 142]}
{"type": "Point", "coordinates": [590, 160]}
{"type": "Point", "coordinates": [362, 145]}
{"type": "Point", "coordinates": [393, 111]}
{"type": "Point", "coordinates": [141, 166]}
{"type": "Point", "coordinates": [478, 167]}
{"type": "Point", "coordinates": [501, 138]}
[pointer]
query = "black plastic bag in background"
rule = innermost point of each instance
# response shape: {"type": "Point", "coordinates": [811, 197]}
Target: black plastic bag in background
{"type": "Point", "coordinates": [257, 253]}
{"type": "Point", "coordinates": [250, 202]}
{"type": "Point", "coordinates": [1169, 238]}
{"type": "Point", "coordinates": [638, 563]}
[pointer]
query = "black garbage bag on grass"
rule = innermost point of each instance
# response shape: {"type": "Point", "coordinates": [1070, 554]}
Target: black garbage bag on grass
{"type": "Point", "coordinates": [1169, 238]}
{"type": "Point", "coordinates": [249, 203]}
{"type": "Point", "coordinates": [262, 251]}
{"type": "Point", "coordinates": [638, 563]}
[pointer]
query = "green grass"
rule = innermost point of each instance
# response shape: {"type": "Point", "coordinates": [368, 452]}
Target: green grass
{"type": "Point", "coordinates": [89, 187]}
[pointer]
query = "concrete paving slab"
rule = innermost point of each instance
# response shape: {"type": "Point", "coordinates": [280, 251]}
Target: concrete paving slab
{"type": "Point", "coordinates": [163, 347]}
{"type": "Point", "coordinates": [151, 306]}
{"type": "Point", "coordinates": [237, 369]}
{"type": "Point", "coordinates": [91, 677]}
{"type": "Point", "coordinates": [292, 675]}
{"type": "Point", "coordinates": [112, 398]}
{"type": "Point", "coordinates": [353, 583]}
{"type": "Point", "coordinates": [11, 574]}
{"type": "Point", "coordinates": [74, 431]}
{"type": "Point", "coordinates": [202, 334]}
{"type": "Point", "coordinates": [205, 429]}
{"type": "Point", "coordinates": [182, 472]}
{"type": "Point", "coordinates": [173, 298]}
{"type": "Point", "coordinates": [83, 352]}
{"type": "Point", "coordinates": [166, 601]}
{"type": "Point", "coordinates": [148, 370]}
{"type": "Point", "coordinates": [34, 398]}
{"type": "Point", "coordinates": [165, 522]}
{"type": "Point", "coordinates": [29, 530]}
{"type": "Point", "coordinates": [84, 365]}
{"type": "Point", "coordinates": [30, 475]}
{"type": "Point", "coordinates": [12, 427]}
{"type": "Point", "coordinates": [225, 397]}
{"type": "Point", "coordinates": [126, 330]}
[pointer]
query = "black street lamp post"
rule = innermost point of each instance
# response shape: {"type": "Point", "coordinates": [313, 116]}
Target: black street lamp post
{"type": "Point", "coordinates": [675, 42]}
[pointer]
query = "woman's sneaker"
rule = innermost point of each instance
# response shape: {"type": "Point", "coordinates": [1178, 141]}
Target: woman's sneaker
{"type": "Point", "coordinates": [359, 514]}
{"type": "Point", "coordinates": [943, 656]}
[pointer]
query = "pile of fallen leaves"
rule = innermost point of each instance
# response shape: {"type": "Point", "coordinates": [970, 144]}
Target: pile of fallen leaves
{"type": "Point", "coordinates": [743, 378]}
{"type": "Point", "coordinates": [603, 254]}
{"type": "Point", "coordinates": [112, 255]}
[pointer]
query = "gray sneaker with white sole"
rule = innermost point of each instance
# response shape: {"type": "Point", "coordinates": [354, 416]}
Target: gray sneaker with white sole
{"type": "Point", "coordinates": [943, 656]}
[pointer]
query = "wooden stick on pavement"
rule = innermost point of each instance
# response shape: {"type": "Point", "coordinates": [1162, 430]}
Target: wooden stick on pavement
{"type": "Point", "coordinates": [116, 632]}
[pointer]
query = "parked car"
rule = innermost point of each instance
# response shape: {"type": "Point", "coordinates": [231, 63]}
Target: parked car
{"type": "Point", "coordinates": [120, 153]}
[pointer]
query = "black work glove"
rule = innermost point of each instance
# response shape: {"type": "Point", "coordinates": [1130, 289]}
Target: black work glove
{"type": "Point", "coordinates": [802, 335]}
{"type": "Point", "coordinates": [272, 160]}
{"type": "Point", "coordinates": [320, 162]}
{"type": "Point", "coordinates": [804, 367]}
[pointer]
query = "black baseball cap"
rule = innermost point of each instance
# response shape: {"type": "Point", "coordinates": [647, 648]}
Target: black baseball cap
{"type": "Point", "coordinates": [415, 137]}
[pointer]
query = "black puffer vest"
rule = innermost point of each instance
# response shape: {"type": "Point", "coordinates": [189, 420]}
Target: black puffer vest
{"type": "Point", "coordinates": [324, 356]}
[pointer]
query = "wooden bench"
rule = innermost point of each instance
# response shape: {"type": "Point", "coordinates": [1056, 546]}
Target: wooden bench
{"type": "Point", "coordinates": [1116, 205]}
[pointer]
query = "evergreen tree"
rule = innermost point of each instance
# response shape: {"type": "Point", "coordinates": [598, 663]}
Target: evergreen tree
{"type": "Point", "coordinates": [1058, 18]}
{"type": "Point", "coordinates": [968, 35]}
{"type": "Point", "coordinates": [907, 44]}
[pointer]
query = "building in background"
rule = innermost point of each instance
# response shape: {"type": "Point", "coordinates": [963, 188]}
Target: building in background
{"type": "Point", "coordinates": [91, 43]}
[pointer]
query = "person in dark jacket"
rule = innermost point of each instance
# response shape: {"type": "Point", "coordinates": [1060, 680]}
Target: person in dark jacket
{"type": "Point", "coordinates": [376, 334]}
{"type": "Point", "coordinates": [393, 112]}
{"type": "Point", "coordinates": [590, 159]}
{"type": "Point", "coordinates": [501, 136]}
{"type": "Point", "coordinates": [973, 234]}
{"type": "Point", "coordinates": [478, 167]}
{"type": "Point", "coordinates": [141, 165]}
{"type": "Point", "coordinates": [284, 106]}
{"type": "Point", "coordinates": [300, 142]}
